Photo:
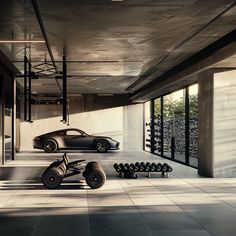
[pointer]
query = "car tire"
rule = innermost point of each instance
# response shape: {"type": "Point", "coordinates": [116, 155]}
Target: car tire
{"type": "Point", "coordinates": [102, 146]}
{"type": "Point", "coordinates": [50, 146]}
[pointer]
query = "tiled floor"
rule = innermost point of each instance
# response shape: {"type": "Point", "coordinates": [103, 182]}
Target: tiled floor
{"type": "Point", "coordinates": [183, 204]}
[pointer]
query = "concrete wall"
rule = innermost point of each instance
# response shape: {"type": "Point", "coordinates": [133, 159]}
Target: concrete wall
{"type": "Point", "coordinates": [78, 104]}
{"type": "Point", "coordinates": [8, 126]}
{"type": "Point", "coordinates": [225, 124]}
{"type": "Point", "coordinates": [108, 122]}
{"type": "Point", "coordinates": [124, 123]}
{"type": "Point", "coordinates": [133, 127]}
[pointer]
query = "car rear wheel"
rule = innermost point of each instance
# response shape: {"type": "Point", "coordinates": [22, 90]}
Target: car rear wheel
{"type": "Point", "coordinates": [50, 146]}
{"type": "Point", "coordinates": [102, 146]}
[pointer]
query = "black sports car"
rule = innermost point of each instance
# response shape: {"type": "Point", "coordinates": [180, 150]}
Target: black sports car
{"type": "Point", "coordinates": [73, 139]}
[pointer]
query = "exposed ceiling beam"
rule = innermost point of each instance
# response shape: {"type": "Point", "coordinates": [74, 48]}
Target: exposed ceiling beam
{"type": "Point", "coordinates": [216, 52]}
{"type": "Point", "coordinates": [151, 71]}
{"type": "Point", "coordinates": [41, 24]}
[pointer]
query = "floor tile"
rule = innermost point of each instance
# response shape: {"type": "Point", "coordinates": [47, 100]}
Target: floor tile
{"type": "Point", "coordinates": [183, 204]}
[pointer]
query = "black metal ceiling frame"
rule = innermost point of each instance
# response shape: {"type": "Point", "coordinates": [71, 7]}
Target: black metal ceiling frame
{"type": "Point", "coordinates": [63, 90]}
{"type": "Point", "coordinates": [65, 108]}
{"type": "Point", "coordinates": [27, 89]}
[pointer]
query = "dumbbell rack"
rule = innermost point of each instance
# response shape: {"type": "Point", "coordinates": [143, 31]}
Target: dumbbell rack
{"type": "Point", "coordinates": [154, 132]}
{"type": "Point", "coordinates": [132, 170]}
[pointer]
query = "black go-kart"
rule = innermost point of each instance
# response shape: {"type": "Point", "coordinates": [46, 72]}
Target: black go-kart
{"type": "Point", "coordinates": [93, 173]}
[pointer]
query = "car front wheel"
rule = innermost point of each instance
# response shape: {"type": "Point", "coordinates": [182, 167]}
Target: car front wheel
{"type": "Point", "coordinates": [102, 146]}
{"type": "Point", "coordinates": [50, 146]}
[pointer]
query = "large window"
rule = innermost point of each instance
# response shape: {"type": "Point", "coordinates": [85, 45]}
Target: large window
{"type": "Point", "coordinates": [173, 126]}
{"type": "Point", "coordinates": [168, 128]}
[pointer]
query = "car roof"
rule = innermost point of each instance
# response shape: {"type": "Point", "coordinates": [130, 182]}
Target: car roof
{"type": "Point", "coordinates": [70, 129]}
{"type": "Point", "coordinates": [63, 130]}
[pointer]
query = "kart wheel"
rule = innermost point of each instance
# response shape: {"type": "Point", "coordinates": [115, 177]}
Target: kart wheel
{"type": "Point", "coordinates": [52, 177]}
{"type": "Point", "coordinates": [90, 167]}
{"type": "Point", "coordinates": [95, 179]}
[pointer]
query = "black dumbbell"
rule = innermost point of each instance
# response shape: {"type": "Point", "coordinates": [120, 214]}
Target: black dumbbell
{"type": "Point", "coordinates": [168, 168]}
{"type": "Point", "coordinates": [121, 165]}
{"type": "Point", "coordinates": [148, 164]}
{"type": "Point", "coordinates": [133, 166]}
{"type": "Point", "coordinates": [164, 168]}
{"type": "Point", "coordinates": [142, 163]}
{"type": "Point", "coordinates": [141, 168]}
{"type": "Point", "coordinates": [116, 167]}
{"type": "Point", "coordinates": [137, 164]}
{"type": "Point", "coordinates": [147, 168]}
{"type": "Point", "coordinates": [152, 168]}
{"type": "Point", "coordinates": [127, 166]}
{"type": "Point", "coordinates": [158, 167]}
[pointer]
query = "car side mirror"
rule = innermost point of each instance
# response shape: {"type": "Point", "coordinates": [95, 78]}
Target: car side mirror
{"type": "Point", "coordinates": [84, 135]}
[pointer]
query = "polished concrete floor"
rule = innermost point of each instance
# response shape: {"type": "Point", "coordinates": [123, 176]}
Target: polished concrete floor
{"type": "Point", "coordinates": [182, 204]}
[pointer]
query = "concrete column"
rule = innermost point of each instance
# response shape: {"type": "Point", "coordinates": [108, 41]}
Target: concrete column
{"type": "Point", "coordinates": [217, 127]}
{"type": "Point", "coordinates": [2, 118]}
{"type": "Point", "coordinates": [205, 123]}
{"type": "Point", "coordinates": [224, 124]}
{"type": "Point", "coordinates": [13, 125]}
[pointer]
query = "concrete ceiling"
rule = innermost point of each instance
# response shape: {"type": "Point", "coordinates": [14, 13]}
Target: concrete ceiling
{"type": "Point", "coordinates": [112, 47]}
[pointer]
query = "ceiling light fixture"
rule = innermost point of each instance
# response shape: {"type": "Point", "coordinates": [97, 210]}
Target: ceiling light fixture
{"type": "Point", "coordinates": [22, 41]}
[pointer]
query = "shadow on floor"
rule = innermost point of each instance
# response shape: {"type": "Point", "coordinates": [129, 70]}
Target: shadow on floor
{"type": "Point", "coordinates": [37, 185]}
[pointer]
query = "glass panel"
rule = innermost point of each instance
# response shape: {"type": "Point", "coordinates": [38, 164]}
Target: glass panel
{"type": "Point", "coordinates": [167, 125]}
{"type": "Point", "coordinates": [157, 126]}
{"type": "Point", "coordinates": [147, 121]}
{"type": "Point", "coordinates": [193, 125]}
{"type": "Point", "coordinates": [174, 125]}
{"type": "Point", "coordinates": [179, 124]}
